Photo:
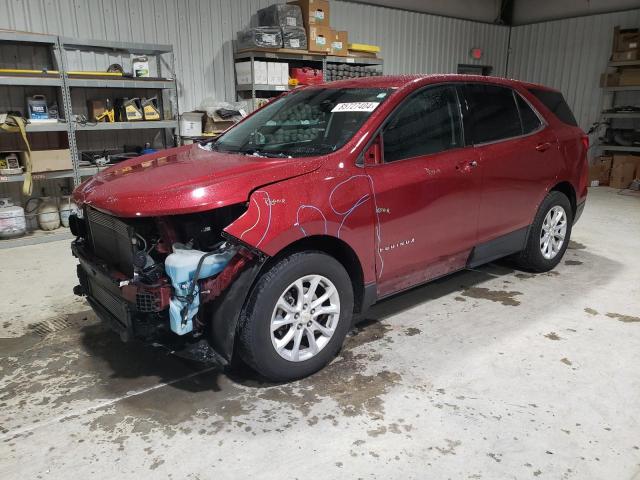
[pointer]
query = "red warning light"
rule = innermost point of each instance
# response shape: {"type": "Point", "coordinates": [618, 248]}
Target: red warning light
{"type": "Point", "coordinates": [476, 53]}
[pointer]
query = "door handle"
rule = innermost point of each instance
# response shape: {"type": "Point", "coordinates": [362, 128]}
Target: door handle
{"type": "Point", "coordinates": [541, 147]}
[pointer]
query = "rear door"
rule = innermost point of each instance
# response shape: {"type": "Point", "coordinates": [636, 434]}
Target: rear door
{"type": "Point", "coordinates": [426, 190]}
{"type": "Point", "coordinates": [518, 156]}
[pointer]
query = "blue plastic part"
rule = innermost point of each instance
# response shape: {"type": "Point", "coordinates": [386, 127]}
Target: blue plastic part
{"type": "Point", "coordinates": [181, 267]}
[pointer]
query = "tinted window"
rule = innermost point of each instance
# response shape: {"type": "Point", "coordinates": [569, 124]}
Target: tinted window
{"type": "Point", "coordinates": [492, 113]}
{"type": "Point", "coordinates": [530, 121]}
{"type": "Point", "coordinates": [555, 102]}
{"type": "Point", "coordinates": [427, 122]}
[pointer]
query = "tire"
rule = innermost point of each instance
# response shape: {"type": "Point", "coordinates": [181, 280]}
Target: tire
{"type": "Point", "coordinates": [266, 352]}
{"type": "Point", "coordinates": [535, 257]}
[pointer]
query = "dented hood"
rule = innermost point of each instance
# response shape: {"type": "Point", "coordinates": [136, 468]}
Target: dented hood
{"type": "Point", "coordinates": [184, 180]}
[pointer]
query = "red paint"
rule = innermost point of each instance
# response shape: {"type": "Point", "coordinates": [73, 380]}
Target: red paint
{"type": "Point", "coordinates": [407, 221]}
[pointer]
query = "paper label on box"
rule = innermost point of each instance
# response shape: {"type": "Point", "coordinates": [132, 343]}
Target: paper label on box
{"type": "Point", "coordinates": [336, 45]}
{"type": "Point", "coordinates": [269, 38]}
{"type": "Point", "coordinates": [319, 14]}
{"type": "Point", "coordinates": [351, 60]}
{"type": "Point", "coordinates": [295, 43]}
{"type": "Point", "coordinates": [355, 107]}
{"type": "Point", "coordinates": [280, 88]}
{"type": "Point", "coordinates": [633, 45]}
{"type": "Point", "coordinates": [291, 21]}
{"type": "Point", "coordinates": [320, 40]}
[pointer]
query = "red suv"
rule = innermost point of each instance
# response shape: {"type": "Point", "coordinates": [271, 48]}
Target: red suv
{"type": "Point", "coordinates": [267, 242]}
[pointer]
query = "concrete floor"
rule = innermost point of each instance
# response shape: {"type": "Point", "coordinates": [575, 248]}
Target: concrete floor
{"type": "Point", "coordinates": [489, 374]}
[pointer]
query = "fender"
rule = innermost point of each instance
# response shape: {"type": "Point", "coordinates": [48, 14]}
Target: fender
{"type": "Point", "coordinates": [340, 206]}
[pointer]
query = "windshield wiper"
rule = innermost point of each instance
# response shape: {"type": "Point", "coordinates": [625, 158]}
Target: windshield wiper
{"type": "Point", "coordinates": [261, 153]}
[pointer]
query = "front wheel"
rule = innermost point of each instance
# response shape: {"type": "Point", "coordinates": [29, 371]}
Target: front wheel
{"type": "Point", "coordinates": [549, 234]}
{"type": "Point", "coordinates": [297, 316]}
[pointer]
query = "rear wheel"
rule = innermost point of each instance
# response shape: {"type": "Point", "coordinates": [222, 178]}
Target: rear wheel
{"type": "Point", "coordinates": [549, 234]}
{"type": "Point", "coordinates": [297, 316]}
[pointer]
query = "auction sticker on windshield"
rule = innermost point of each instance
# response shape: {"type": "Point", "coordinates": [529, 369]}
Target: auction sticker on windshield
{"type": "Point", "coordinates": [355, 107]}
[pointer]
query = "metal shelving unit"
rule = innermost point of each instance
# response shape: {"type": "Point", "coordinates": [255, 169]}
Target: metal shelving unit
{"type": "Point", "coordinates": [608, 103]}
{"type": "Point", "coordinates": [302, 57]}
{"type": "Point", "coordinates": [66, 85]}
{"type": "Point", "coordinates": [61, 46]}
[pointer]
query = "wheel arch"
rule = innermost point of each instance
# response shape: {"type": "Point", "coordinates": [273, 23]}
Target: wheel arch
{"type": "Point", "coordinates": [567, 189]}
{"type": "Point", "coordinates": [338, 249]}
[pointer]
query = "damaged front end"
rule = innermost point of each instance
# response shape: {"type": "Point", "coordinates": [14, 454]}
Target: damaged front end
{"type": "Point", "coordinates": [176, 281]}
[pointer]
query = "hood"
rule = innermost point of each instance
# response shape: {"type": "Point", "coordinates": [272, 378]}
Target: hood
{"type": "Point", "coordinates": [184, 180]}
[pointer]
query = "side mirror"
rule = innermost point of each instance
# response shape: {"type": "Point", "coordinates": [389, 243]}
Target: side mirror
{"type": "Point", "coordinates": [373, 154]}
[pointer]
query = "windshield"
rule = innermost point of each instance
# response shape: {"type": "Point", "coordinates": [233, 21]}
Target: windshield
{"type": "Point", "coordinates": [309, 122]}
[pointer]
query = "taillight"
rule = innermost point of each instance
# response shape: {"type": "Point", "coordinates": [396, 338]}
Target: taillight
{"type": "Point", "coordinates": [585, 143]}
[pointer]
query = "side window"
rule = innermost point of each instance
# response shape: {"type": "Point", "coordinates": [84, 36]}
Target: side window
{"type": "Point", "coordinates": [555, 102]}
{"type": "Point", "coordinates": [493, 114]}
{"type": "Point", "coordinates": [530, 121]}
{"type": "Point", "coordinates": [427, 122]}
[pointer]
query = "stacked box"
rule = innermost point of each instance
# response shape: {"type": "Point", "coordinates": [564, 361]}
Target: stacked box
{"type": "Point", "coordinates": [626, 44]}
{"type": "Point", "coordinates": [294, 37]}
{"type": "Point", "coordinates": [281, 16]}
{"type": "Point", "coordinates": [261, 37]}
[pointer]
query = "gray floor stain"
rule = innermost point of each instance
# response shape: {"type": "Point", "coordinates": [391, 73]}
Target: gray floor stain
{"type": "Point", "coordinates": [500, 296]}
{"type": "Point", "coordinates": [623, 318]}
{"type": "Point", "coordinates": [591, 311]}
{"type": "Point", "coordinates": [573, 262]}
{"type": "Point", "coordinates": [553, 336]}
{"type": "Point", "coordinates": [573, 245]}
{"type": "Point", "coordinates": [411, 331]}
{"type": "Point", "coordinates": [566, 361]}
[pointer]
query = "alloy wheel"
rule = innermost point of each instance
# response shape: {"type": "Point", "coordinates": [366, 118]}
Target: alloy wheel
{"type": "Point", "coordinates": [554, 230]}
{"type": "Point", "coordinates": [305, 318]}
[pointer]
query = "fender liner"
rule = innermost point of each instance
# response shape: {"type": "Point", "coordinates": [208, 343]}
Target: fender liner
{"type": "Point", "coordinates": [224, 311]}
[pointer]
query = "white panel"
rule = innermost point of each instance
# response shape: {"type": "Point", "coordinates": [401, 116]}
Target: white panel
{"type": "Point", "coordinates": [569, 55]}
{"type": "Point", "coordinates": [202, 33]}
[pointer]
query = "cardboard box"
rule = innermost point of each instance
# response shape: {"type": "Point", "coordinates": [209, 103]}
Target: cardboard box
{"type": "Point", "coordinates": [339, 43]}
{"type": "Point", "coordinates": [625, 56]}
{"type": "Point", "coordinates": [625, 39]}
{"type": "Point", "coordinates": [609, 79]}
{"type": "Point", "coordinates": [260, 73]}
{"type": "Point", "coordinates": [600, 171]}
{"type": "Point", "coordinates": [48, 160]}
{"type": "Point", "coordinates": [629, 77]}
{"type": "Point", "coordinates": [320, 39]}
{"type": "Point", "coordinates": [284, 74]}
{"type": "Point", "coordinates": [623, 170]}
{"type": "Point", "coordinates": [243, 73]}
{"type": "Point", "coordinates": [274, 73]}
{"type": "Point", "coordinates": [622, 175]}
{"type": "Point", "coordinates": [314, 12]}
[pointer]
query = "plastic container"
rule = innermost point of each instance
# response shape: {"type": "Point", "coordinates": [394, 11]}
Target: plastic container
{"type": "Point", "coordinates": [48, 214]}
{"type": "Point", "coordinates": [181, 267]}
{"type": "Point", "coordinates": [37, 108]}
{"type": "Point", "coordinates": [67, 207]}
{"type": "Point", "coordinates": [31, 213]}
{"type": "Point", "coordinates": [12, 219]}
{"type": "Point", "coordinates": [191, 124]}
{"type": "Point", "coordinates": [280, 15]}
{"type": "Point", "coordinates": [140, 67]}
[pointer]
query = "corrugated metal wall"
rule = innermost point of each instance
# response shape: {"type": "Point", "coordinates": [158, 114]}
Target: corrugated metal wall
{"type": "Point", "coordinates": [202, 32]}
{"type": "Point", "coordinates": [569, 55]}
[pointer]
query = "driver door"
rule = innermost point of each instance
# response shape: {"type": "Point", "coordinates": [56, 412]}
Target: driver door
{"type": "Point", "coordinates": [426, 189]}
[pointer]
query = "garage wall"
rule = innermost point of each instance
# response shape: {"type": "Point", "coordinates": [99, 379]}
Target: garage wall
{"type": "Point", "coordinates": [202, 32]}
{"type": "Point", "coordinates": [570, 55]}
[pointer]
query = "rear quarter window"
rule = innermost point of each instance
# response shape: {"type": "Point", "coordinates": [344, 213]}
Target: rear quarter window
{"type": "Point", "coordinates": [555, 102]}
